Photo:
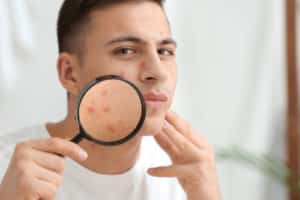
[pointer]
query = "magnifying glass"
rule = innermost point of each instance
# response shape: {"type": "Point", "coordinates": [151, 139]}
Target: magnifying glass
{"type": "Point", "coordinates": [110, 111]}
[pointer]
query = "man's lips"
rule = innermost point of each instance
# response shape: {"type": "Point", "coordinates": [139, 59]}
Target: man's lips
{"type": "Point", "coordinates": [155, 100]}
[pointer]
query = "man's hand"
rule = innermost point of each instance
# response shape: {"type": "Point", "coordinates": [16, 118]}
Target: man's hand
{"type": "Point", "coordinates": [35, 171]}
{"type": "Point", "coordinates": [192, 157]}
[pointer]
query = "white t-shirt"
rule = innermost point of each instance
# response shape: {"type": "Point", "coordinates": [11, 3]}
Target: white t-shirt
{"type": "Point", "coordinates": [80, 183]}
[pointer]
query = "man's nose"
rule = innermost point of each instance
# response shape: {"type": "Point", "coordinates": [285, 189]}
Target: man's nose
{"type": "Point", "coordinates": [152, 68]}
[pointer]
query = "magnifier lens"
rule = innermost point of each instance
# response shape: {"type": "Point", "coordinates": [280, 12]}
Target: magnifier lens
{"type": "Point", "coordinates": [110, 110]}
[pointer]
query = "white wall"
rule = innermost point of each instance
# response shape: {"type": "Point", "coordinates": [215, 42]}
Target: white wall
{"type": "Point", "coordinates": [29, 89]}
{"type": "Point", "coordinates": [231, 82]}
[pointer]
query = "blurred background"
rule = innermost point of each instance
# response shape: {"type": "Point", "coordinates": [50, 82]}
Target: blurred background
{"type": "Point", "coordinates": [231, 87]}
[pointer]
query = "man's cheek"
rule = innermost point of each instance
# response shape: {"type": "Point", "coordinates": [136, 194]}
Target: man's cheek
{"type": "Point", "coordinates": [123, 74]}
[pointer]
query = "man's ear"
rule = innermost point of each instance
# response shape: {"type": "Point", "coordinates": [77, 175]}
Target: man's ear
{"type": "Point", "coordinates": [68, 73]}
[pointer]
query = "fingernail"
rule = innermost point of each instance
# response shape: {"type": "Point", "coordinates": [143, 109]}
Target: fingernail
{"type": "Point", "coordinates": [150, 171]}
{"type": "Point", "coordinates": [83, 155]}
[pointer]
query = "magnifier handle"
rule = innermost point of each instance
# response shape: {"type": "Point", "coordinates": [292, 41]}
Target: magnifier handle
{"type": "Point", "coordinates": [76, 139]}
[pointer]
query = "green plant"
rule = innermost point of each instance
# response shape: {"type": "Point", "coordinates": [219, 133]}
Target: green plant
{"type": "Point", "coordinates": [266, 164]}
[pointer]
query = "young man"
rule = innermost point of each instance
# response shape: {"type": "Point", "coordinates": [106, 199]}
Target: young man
{"type": "Point", "coordinates": [130, 38]}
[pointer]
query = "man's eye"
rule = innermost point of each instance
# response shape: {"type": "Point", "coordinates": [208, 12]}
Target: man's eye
{"type": "Point", "coordinates": [165, 52]}
{"type": "Point", "coordinates": [125, 51]}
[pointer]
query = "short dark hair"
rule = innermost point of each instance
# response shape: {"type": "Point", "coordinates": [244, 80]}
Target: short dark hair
{"type": "Point", "coordinates": [74, 16]}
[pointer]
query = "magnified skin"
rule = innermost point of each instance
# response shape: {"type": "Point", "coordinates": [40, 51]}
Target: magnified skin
{"type": "Point", "coordinates": [110, 110]}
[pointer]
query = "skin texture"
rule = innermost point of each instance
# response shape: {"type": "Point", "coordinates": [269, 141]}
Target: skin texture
{"type": "Point", "coordinates": [134, 43]}
{"type": "Point", "coordinates": [103, 114]}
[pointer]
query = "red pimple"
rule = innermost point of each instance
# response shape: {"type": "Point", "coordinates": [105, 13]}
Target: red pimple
{"type": "Point", "coordinates": [143, 64]}
{"type": "Point", "coordinates": [104, 93]}
{"type": "Point", "coordinates": [111, 128]}
{"type": "Point", "coordinates": [90, 109]}
{"type": "Point", "coordinates": [106, 109]}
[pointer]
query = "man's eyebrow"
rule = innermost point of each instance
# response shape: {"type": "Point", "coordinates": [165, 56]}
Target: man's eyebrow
{"type": "Point", "coordinates": [125, 39]}
{"type": "Point", "coordinates": [169, 41]}
{"type": "Point", "coordinates": [139, 40]}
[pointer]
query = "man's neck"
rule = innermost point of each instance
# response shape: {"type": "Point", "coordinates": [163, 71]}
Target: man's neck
{"type": "Point", "coordinates": [102, 159]}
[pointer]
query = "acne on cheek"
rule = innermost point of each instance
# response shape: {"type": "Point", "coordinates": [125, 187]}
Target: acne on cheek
{"type": "Point", "coordinates": [106, 109]}
{"type": "Point", "coordinates": [120, 130]}
{"type": "Point", "coordinates": [90, 109]}
{"type": "Point", "coordinates": [111, 128]}
{"type": "Point", "coordinates": [122, 74]}
{"type": "Point", "coordinates": [104, 93]}
{"type": "Point", "coordinates": [142, 64]}
{"type": "Point", "coordinates": [100, 110]}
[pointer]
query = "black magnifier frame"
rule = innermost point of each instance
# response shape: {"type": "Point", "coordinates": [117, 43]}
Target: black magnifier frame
{"type": "Point", "coordinates": [83, 134]}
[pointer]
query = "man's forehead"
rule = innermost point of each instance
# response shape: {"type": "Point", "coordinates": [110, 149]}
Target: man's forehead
{"type": "Point", "coordinates": [147, 17]}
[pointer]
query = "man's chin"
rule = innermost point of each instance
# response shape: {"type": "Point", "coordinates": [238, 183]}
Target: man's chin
{"type": "Point", "coordinates": [152, 126]}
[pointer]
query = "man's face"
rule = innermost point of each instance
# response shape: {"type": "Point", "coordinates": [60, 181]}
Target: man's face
{"type": "Point", "coordinates": [133, 40]}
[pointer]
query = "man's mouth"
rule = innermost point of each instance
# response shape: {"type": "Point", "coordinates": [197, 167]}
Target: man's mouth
{"type": "Point", "coordinates": [155, 100]}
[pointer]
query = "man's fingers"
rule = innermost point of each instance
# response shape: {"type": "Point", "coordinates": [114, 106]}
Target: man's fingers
{"type": "Point", "coordinates": [184, 150]}
{"type": "Point", "coordinates": [59, 146]}
{"type": "Point", "coordinates": [176, 121]}
{"type": "Point", "coordinates": [46, 190]}
{"type": "Point", "coordinates": [176, 138]}
{"type": "Point", "coordinates": [185, 129]}
{"type": "Point", "coordinates": [47, 176]}
{"type": "Point", "coordinates": [164, 142]}
{"type": "Point", "coordinates": [170, 171]}
{"type": "Point", "coordinates": [49, 161]}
